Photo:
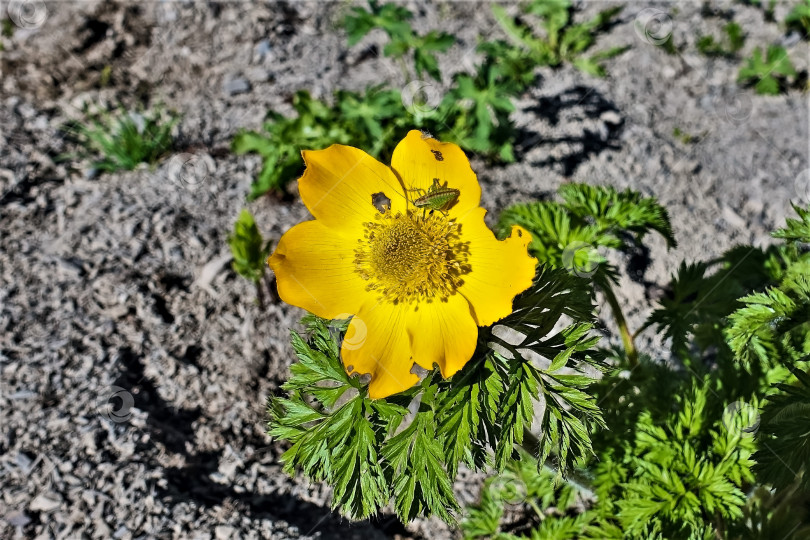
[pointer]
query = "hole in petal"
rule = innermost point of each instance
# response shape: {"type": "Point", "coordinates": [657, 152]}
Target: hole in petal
{"type": "Point", "coordinates": [381, 202]}
{"type": "Point", "coordinates": [419, 371]}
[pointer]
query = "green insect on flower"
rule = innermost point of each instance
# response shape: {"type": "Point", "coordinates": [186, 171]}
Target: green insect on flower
{"type": "Point", "coordinates": [437, 198]}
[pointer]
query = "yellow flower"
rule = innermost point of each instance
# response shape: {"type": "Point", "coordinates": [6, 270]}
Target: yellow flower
{"type": "Point", "coordinates": [418, 283]}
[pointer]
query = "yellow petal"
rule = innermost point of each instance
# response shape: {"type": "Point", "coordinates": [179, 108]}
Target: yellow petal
{"type": "Point", "coordinates": [419, 160]}
{"type": "Point", "coordinates": [377, 343]}
{"type": "Point", "coordinates": [500, 269]}
{"type": "Point", "coordinates": [315, 270]}
{"type": "Point", "coordinates": [339, 182]}
{"type": "Point", "coordinates": [443, 333]}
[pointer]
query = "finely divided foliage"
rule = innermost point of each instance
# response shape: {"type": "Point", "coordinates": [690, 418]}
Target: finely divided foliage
{"type": "Point", "coordinates": [481, 416]}
{"type": "Point", "coordinates": [772, 329]}
{"type": "Point", "coordinates": [646, 451]}
{"type": "Point", "coordinates": [476, 417]}
{"type": "Point", "coordinates": [708, 441]}
{"type": "Point", "coordinates": [684, 449]}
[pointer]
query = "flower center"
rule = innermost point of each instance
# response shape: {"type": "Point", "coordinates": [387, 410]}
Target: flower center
{"type": "Point", "coordinates": [412, 257]}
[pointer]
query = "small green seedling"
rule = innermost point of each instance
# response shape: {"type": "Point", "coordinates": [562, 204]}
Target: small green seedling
{"type": "Point", "coordinates": [6, 28]}
{"type": "Point", "coordinates": [799, 18]}
{"type": "Point", "coordinates": [249, 252]}
{"type": "Point", "coordinates": [403, 39]}
{"type": "Point", "coordinates": [769, 73]}
{"type": "Point", "coordinates": [687, 138]}
{"type": "Point", "coordinates": [121, 140]}
{"type": "Point", "coordinates": [727, 46]}
{"type": "Point", "coordinates": [767, 7]}
{"type": "Point", "coordinates": [437, 197]}
{"type": "Point", "coordinates": [562, 40]}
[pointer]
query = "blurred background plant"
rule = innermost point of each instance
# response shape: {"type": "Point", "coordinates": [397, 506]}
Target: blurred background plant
{"type": "Point", "coordinates": [799, 18]}
{"type": "Point", "coordinates": [250, 253]}
{"type": "Point", "coordinates": [119, 139]}
{"type": "Point", "coordinates": [563, 39]}
{"type": "Point", "coordinates": [393, 20]}
{"type": "Point", "coordinates": [473, 110]}
{"type": "Point", "coordinates": [728, 45]}
{"type": "Point", "coordinates": [769, 73]}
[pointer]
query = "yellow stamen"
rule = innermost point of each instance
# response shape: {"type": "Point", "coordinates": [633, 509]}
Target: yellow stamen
{"type": "Point", "coordinates": [411, 257]}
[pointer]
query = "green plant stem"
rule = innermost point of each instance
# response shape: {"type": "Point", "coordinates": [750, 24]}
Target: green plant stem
{"type": "Point", "coordinates": [260, 293]}
{"type": "Point", "coordinates": [267, 280]}
{"type": "Point", "coordinates": [627, 336]}
{"type": "Point", "coordinates": [579, 481]}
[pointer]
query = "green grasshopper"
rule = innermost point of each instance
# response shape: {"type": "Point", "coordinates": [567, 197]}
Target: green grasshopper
{"type": "Point", "coordinates": [437, 197]}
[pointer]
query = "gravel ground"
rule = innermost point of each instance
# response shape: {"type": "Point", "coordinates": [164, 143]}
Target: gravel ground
{"type": "Point", "coordinates": [135, 365]}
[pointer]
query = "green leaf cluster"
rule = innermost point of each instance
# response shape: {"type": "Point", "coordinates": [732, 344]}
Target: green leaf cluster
{"type": "Point", "coordinates": [475, 115]}
{"type": "Point", "coordinates": [679, 472]}
{"type": "Point", "coordinates": [732, 41]}
{"type": "Point", "coordinates": [120, 140]}
{"type": "Point", "coordinates": [248, 248]}
{"type": "Point", "coordinates": [772, 329]}
{"type": "Point", "coordinates": [770, 73]}
{"type": "Point", "coordinates": [562, 40]}
{"type": "Point", "coordinates": [476, 111]}
{"type": "Point", "coordinates": [366, 120]}
{"type": "Point", "coordinates": [799, 18]}
{"type": "Point", "coordinates": [522, 484]}
{"type": "Point", "coordinates": [711, 444]}
{"type": "Point", "coordinates": [393, 20]}
{"type": "Point", "coordinates": [568, 234]}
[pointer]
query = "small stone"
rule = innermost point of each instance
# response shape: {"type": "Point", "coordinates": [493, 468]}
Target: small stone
{"type": "Point", "coordinates": [18, 519]}
{"type": "Point", "coordinates": [754, 206]}
{"type": "Point", "coordinates": [258, 75]}
{"type": "Point", "coordinates": [733, 218]}
{"type": "Point", "coordinates": [611, 117]}
{"type": "Point", "coordinates": [23, 461]}
{"type": "Point", "coordinates": [224, 532]}
{"type": "Point", "coordinates": [236, 85]}
{"type": "Point", "coordinates": [263, 48]}
{"type": "Point", "coordinates": [791, 39]}
{"type": "Point", "coordinates": [228, 467]}
{"type": "Point", "coordinates": [44, 503]}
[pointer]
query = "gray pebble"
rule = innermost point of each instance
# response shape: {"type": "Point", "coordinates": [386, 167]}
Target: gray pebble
{"type": "Point", "coordinates": [235, 86]}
